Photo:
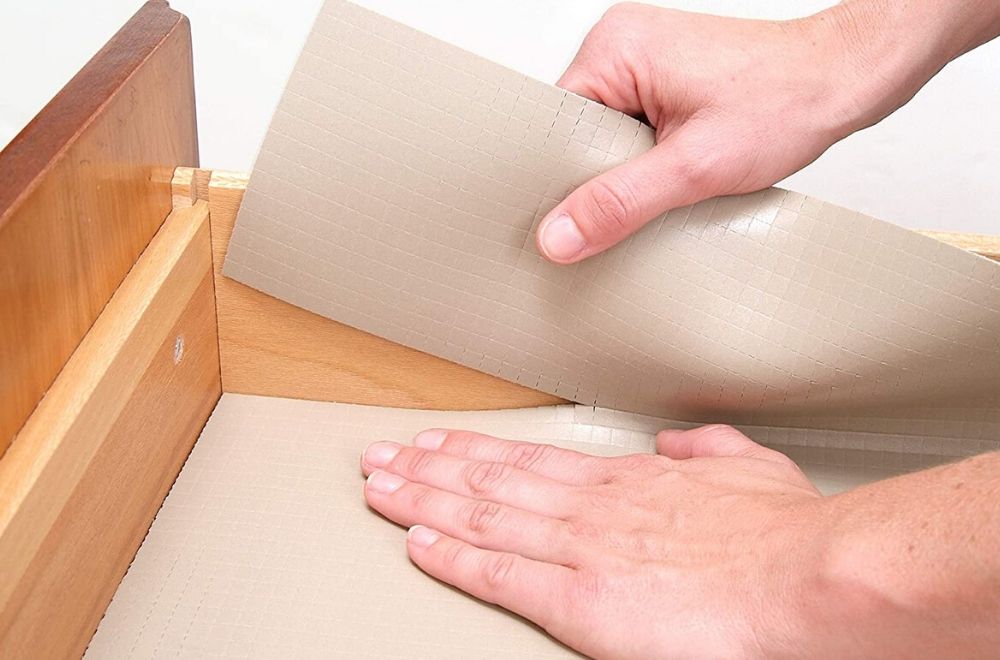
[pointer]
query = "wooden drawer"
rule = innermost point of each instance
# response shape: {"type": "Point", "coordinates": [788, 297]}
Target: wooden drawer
{"type": "Point", "coordinates": [119, 334]}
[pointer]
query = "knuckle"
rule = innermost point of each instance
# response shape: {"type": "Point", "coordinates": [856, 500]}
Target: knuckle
{"type": "Point", "coordinates": [482, 516]}
{"type": "Point", "coordinates": [697, 165]}
{"type": "Point", "coordinates": [640, 545]}
{"type": "Point", "coordinates": [596, 503]}
{"type": "Point", "coordinates": [673, 477]}
{"type": "Point", "coordinates": [598, 535]}
{"type": "Point", "coordinates": [421, 497]}
{"type": "Point", "coordinates": [454, 556]}
{"type": "Point", "coordinates": [620, 30]}
{"type": "Point", "coordinates": [636, 461]}
{"type": "Point", "coordinates": [620, 10]}
{"type": "Point", "coordinates": [693, 171]}
{"type": "Point", "coordinates": [482, 478]}
{"type": "Point", "coordinates": [720, 428]}
{"type": "Point", "coordinates": [561, 536]}
{"type": "Point", "coordinates": [525, 456]}
{"type": "Point", "coordinates": [417, 463]}
{"type": "Point", "coordinates": [610, 203]}
{"type": "Point", "coordinates": [577, 529]}
{"type": "Point", "coordinates": [588, 589]}
{"type": "Point", "coordinates": [497, 571]}
{"type": "Point", "coordinates": [791, 468]}
{"type": "Point", "coordinates": [624, 468]}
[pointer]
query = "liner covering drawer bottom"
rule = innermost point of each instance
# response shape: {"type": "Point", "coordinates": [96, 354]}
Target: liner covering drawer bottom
{"type": "Point", "coordinates": [265, 547]}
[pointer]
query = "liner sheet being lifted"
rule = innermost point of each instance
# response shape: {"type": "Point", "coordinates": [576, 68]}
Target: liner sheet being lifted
{"type": "Point", "coordinates": [399, 188]}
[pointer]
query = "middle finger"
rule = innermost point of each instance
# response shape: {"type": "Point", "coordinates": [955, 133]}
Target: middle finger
{"type": "Point", "coordinates": [497, 482]}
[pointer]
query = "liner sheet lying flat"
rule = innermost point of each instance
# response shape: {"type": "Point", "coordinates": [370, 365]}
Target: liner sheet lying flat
{"type": "Point", "coordinates": [399, 188]}
{"type": "Point", "coordinates": [265, 548]}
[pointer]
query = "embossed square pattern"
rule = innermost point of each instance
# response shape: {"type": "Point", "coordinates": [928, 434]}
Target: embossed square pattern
{"type": "Point", "coordinates": [398, 190]}
{"type": "Point", "coordinates": [265, 548]}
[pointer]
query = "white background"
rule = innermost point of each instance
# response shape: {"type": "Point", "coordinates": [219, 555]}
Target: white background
{"type": "Point", "coordinates": [934, 164]}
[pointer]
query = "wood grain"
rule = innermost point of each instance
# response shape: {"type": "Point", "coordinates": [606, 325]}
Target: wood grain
{"type": "Point", "coordinates": [83, 188]}
{"type": "Point", "coordinates": [269, 347]}
{"type": "Point", "coordinates": [83, 479]}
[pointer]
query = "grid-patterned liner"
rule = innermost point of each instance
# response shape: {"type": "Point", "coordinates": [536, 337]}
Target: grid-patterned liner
{"type": "Point", "coordinates": [265, 549]}
{"type": "Point", "coordinates": [398, 191]}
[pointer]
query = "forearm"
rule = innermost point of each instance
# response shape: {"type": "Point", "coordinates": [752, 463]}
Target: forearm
{"type": "Point", "coordinates": [891, 48]}
{"type": "Point", "coordinates": [933, 31]}
{"type": "Point", "coordinates": [910, 566]}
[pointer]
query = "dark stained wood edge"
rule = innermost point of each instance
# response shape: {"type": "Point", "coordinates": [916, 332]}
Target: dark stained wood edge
{"type": "Point", "coordinates": [53, 130]}
{"type": "Point", "coordinates": [83, 188]}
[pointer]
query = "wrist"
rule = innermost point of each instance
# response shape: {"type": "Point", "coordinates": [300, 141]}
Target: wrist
{"type": "Point", "coordinates": [809, 599]}
{"type": "Point", "coordinates": [879, 583]}
{"type": "Point", "coordinates": [879, 53]}
{"type": "Point", "coordinates": [906, 567]}
{"type": "Point", "coordinates": [830, 595]}
{"type": "Point", "coordinates": [854, 604]}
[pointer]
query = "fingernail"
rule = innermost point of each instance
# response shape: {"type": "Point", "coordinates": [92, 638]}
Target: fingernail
{"type": "Point", "coordinates": [432, 439]}
{"type": "Point", "coordinates": [384, 482]}
{"type": "Point", "coordinates": [561, 239]}
{"type": "Point", "coordinates": [422, 536]}
{"type": "Point", "coordinates": [381, 454]}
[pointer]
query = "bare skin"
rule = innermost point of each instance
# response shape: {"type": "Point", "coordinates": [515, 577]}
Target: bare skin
{"type": "Point", "coordinates": [717, 547]}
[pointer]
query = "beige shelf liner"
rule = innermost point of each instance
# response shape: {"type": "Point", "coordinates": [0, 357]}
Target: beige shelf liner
{"type": "Point", "coordinates": [399, 188]}
{"type": "Point", "coordinates": [264, 547]}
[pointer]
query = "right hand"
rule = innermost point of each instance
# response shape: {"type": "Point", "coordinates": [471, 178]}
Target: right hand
{"type": "Point", "coordinates": [737, 106]}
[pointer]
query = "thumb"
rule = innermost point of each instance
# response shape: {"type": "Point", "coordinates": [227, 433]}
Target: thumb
{"type": "Point", "coordinates": [615, 204]}
{"type": "Point", "coordinates": [716, 440]}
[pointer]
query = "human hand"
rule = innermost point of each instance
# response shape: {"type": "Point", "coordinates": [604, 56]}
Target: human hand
{"type": "Point", "coordinates": [705, 550]}
{"type": "Point", "coordinates": [740, 104]}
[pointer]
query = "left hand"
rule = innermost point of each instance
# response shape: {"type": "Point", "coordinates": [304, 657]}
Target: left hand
{"type": "Point", "coordinates": [704, 550]}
